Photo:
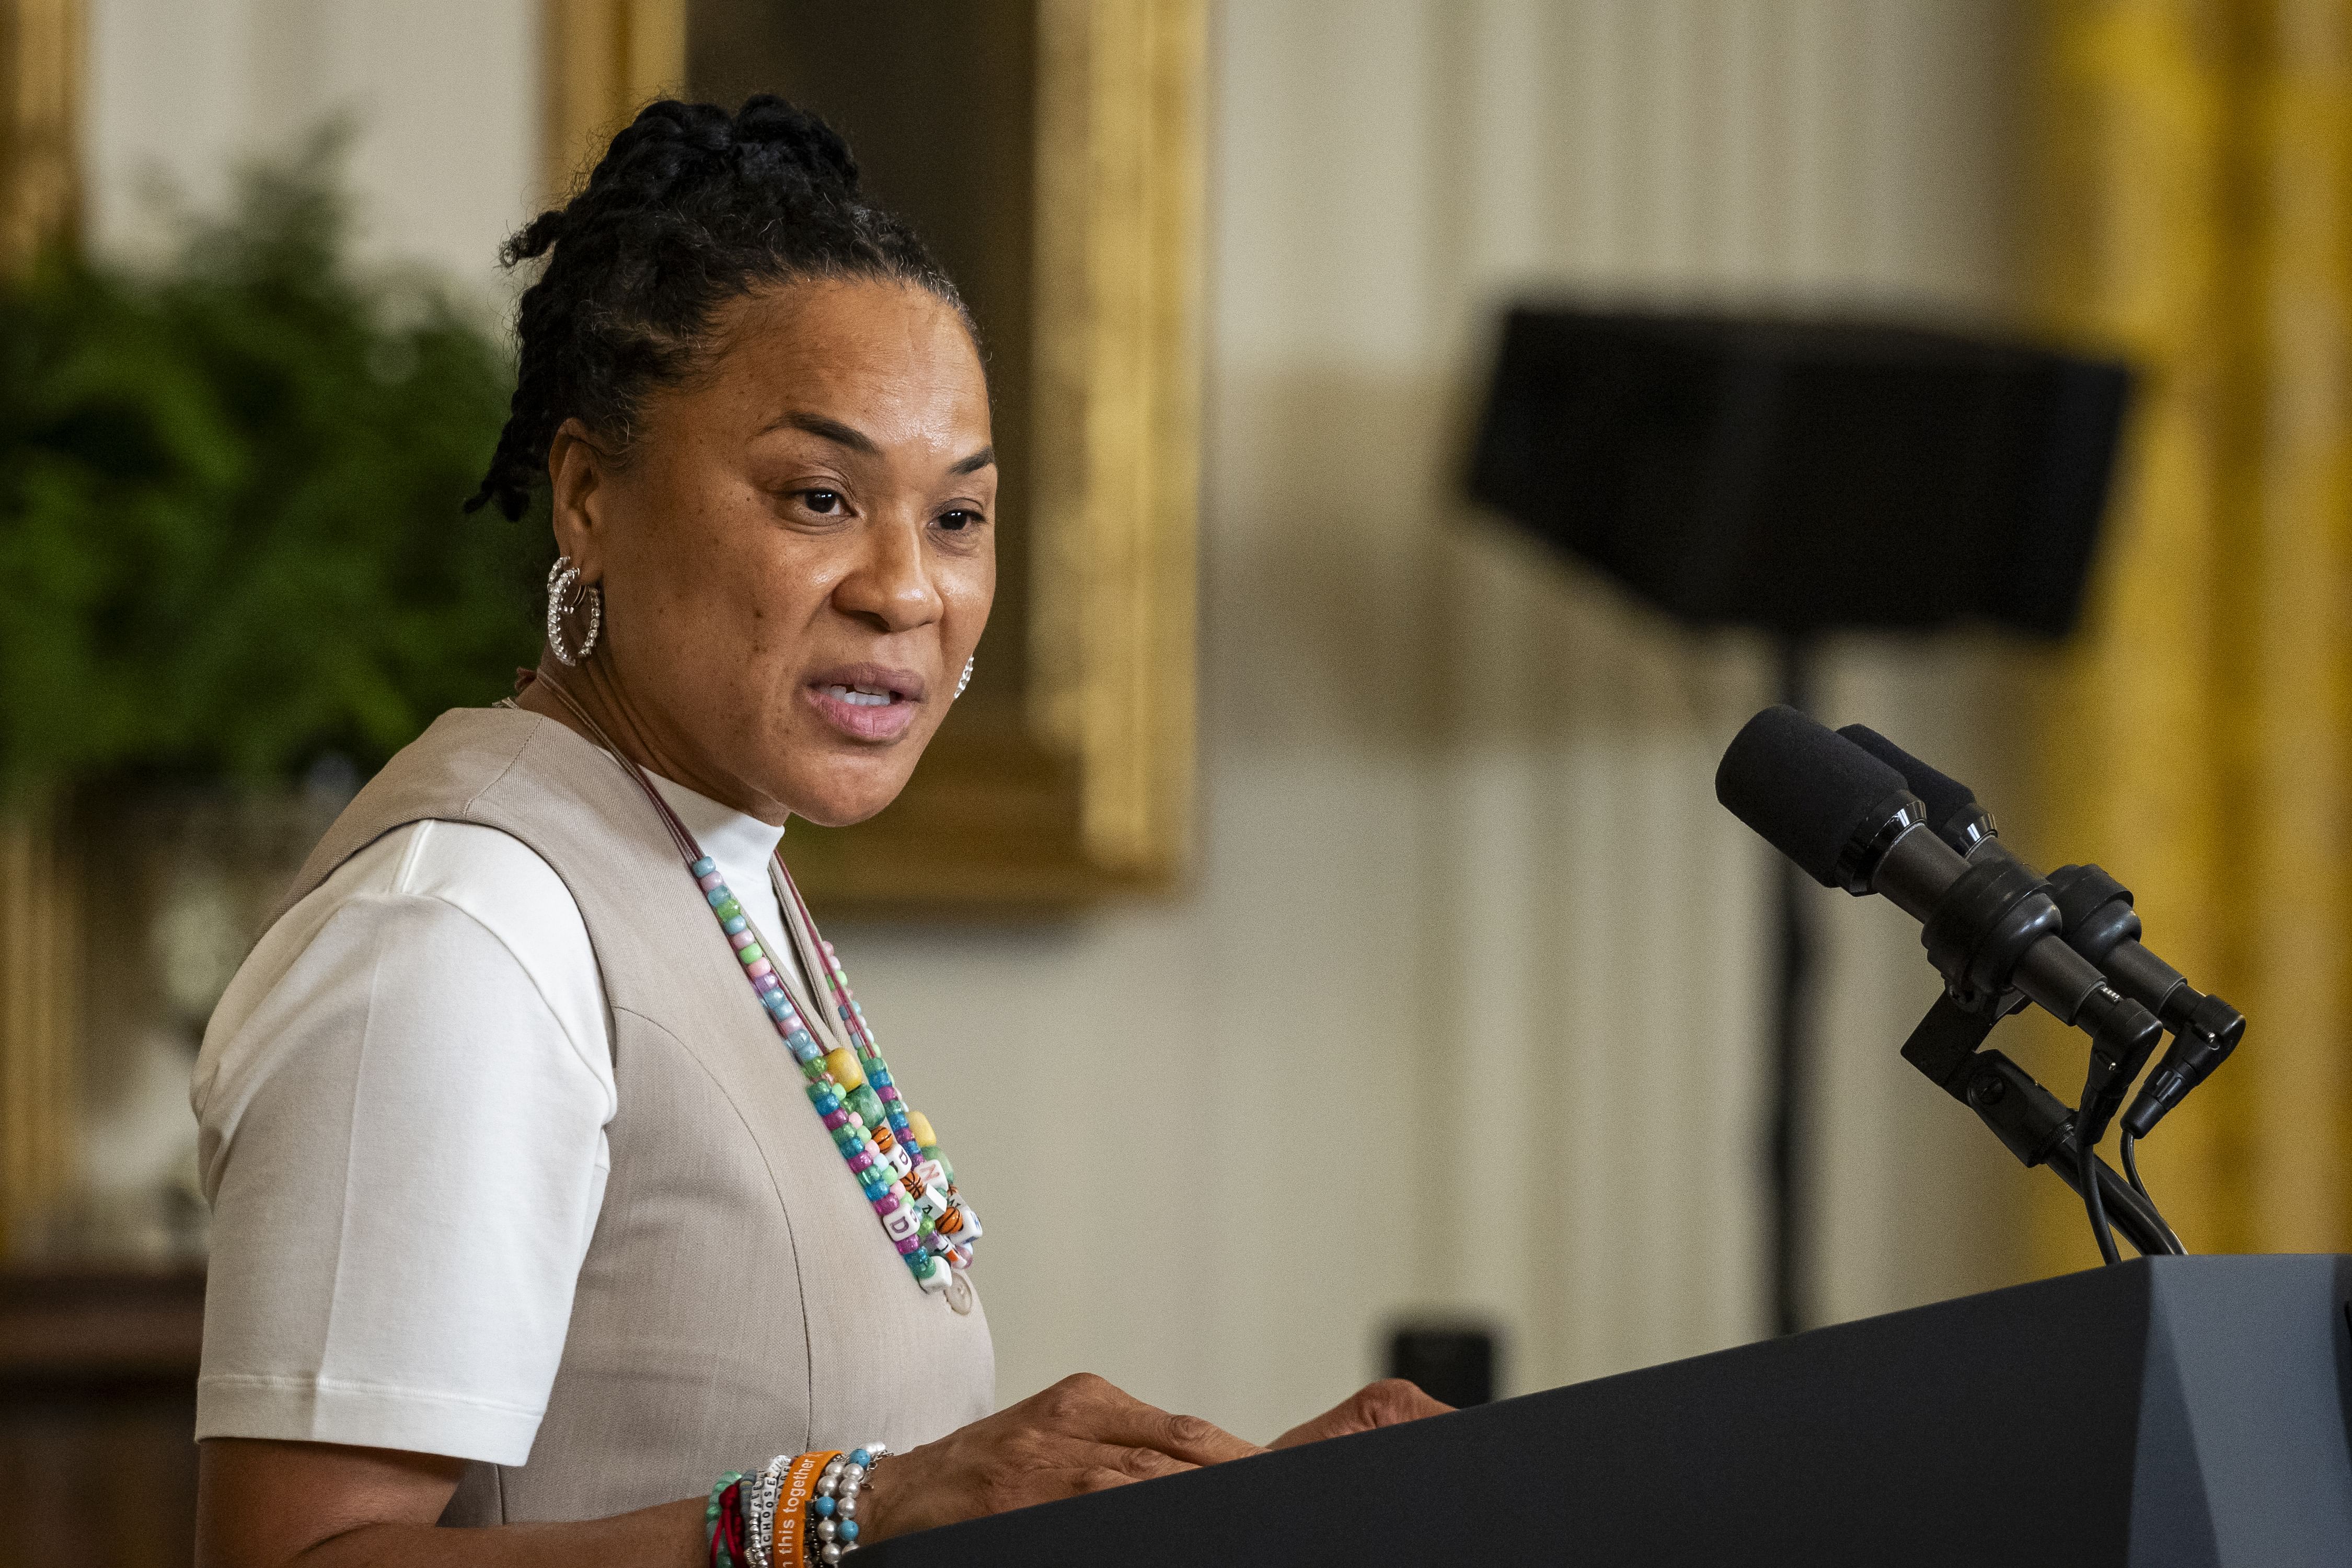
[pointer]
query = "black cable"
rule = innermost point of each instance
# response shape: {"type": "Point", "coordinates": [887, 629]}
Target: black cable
{"type": "Point", "coordinates": [2093, 1201]}
{"type": "Point", "coordinates": [2131, 1174]}
{"type": "Point", "coordinates": [2131, 1168]}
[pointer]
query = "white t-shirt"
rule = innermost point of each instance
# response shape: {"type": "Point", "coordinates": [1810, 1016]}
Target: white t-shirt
{"type": "Point", "coordinates": [401, 1106]}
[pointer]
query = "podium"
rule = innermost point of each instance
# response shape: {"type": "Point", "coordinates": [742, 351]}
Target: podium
{"type": "Point", "coordinates": [2165, 1413]}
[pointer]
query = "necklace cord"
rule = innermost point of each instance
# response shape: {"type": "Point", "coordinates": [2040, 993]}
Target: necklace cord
{"type": "Point", "coordinates": [679, 835]}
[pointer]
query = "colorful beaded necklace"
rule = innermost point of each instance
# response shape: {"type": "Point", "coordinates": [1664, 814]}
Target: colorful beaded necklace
{"type": "Point", "coordinates": [913, 1194]}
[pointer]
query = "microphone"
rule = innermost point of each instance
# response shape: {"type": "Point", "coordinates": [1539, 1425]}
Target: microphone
{"type": "Point", "coordinates": [2100, 924]}
{"type": "Point", "coordinates": [1849, 820]}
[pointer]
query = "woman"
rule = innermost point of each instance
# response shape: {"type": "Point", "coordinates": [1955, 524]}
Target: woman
{"type": "Point", "coordinates": [557, 1176]}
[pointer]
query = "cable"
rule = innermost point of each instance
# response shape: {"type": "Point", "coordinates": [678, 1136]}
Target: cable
{"type": "Point", "coordinates": [2093, 1201]}
{"type": "Point", "coordinates": [2131, 1168]}
{"type": "Point", "coordinates": [2131, 1172]}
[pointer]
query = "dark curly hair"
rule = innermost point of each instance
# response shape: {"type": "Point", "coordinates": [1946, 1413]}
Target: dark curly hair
{"type": "Point", "coordinates": [689, 207]}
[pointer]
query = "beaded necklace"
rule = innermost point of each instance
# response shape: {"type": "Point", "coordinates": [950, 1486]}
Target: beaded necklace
{"type": "Point", "coordinates": [912, 1194]}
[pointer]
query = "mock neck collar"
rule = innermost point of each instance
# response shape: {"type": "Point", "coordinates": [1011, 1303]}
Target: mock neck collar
{"type": "Point", "coordinates": [733, 838]}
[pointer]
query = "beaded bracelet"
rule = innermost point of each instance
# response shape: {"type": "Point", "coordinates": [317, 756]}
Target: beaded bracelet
{"type": "Point", "coordinates": [834, 1508]}
{"type": "Point", "coordinates": [759, 1512]}
{"type": "Point", "coordinates": [723, 1521]}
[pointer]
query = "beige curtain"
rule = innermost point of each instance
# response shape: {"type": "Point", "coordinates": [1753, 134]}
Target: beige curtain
{"type": "Point", "coordinates": [2197, 160]}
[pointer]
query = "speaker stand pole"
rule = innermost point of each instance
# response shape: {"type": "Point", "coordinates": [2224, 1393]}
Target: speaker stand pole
{"type": "Point", "coordinates": [1791, 1041]}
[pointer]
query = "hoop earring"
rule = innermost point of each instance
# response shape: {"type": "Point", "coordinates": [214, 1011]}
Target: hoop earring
{"type": "Point", "coordinates": [566, 594]}
{"type": "Point", "coordinates": [966, 680]}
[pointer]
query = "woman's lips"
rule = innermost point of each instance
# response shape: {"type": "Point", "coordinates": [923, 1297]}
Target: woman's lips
{"type": "Point", "coordinates": [867, 704]}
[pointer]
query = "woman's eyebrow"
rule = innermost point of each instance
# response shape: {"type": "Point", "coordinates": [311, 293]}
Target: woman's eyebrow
{"type": "Point", "coordinates": [831, 430]}
{"type": "Point", "coordinates": [857, 440]}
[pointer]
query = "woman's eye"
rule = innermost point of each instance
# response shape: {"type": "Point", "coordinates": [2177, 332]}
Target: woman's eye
{"type": "Point", "coordinates": [955, 521]}
{"type": "Point", "coordinates": [824, 503]}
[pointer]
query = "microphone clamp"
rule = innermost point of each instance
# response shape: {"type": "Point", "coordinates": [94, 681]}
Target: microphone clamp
{"type": "Point", "coordinates": [1982, 928]}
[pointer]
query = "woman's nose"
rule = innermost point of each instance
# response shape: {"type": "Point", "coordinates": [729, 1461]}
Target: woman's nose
{"type": "Point", "coordinates": [890, 586]}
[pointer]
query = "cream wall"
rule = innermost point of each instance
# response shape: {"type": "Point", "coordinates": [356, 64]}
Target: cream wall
{"type": "Point", "coordinates": [1461, 1010]}
{"type": "Point", "coordinates": [441, 96]}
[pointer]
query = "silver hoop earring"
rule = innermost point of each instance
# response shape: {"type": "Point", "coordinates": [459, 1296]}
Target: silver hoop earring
{"type": "Point", "coordinates": [966, 680]}
{"type": "Point", "coordinates": [564, 595]}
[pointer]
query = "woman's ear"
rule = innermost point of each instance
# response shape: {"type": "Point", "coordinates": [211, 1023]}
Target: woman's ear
{"type": "Point", "coordinates": [575, 471]}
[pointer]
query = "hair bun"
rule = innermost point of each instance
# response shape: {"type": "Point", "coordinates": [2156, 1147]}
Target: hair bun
{"type": "Point", "coordinates": [766, 121]}
{"type": "Point", "coordinates": [690, 205]}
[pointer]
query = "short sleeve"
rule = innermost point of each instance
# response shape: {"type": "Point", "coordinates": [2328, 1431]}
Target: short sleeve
{"type": "Point", "coordinates": [404, 1146]}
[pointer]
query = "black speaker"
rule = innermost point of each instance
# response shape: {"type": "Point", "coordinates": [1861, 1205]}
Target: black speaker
{"type": "Point", "coordinates": [1805, 475]}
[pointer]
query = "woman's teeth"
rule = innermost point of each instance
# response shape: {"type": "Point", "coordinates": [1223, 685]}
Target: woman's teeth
{"type": "Point", "coordinates": [857, 697]}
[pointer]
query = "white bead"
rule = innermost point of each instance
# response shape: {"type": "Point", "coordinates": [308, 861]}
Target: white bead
{"type": "Point", "coordinates": [831, 1552]}
{"type": "Point", "coordinates": [826, 1529]}
{"type": "Point", "coordinates": [826, 1484]}
{"type": "Point", "coordinates": [851, 1475]}
{"type": "Point", "coordinates": [901, 1222]}
{"type": "Point", "coordinates": [848, 1508]}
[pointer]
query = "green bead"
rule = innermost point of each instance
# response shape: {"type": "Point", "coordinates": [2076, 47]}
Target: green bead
{"type": "Point", "coordinates": [924, 1227]}
{"type": "Point", "coordinates": [866, 1103]}
{"type": "Point", "coordinates": [731, 908]}
{"type": "Point", "coordinates": [750, 953]}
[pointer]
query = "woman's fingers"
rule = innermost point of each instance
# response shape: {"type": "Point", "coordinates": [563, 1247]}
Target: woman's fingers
{"type": "Point", "coordinates": [1136, 1464]}
{"type": "Point", "coordinates": [1080, 1435]}
{"type": "Point", "coordinates": [1090, 1408]}
{"type": "Point", "coordinates": [1381, 1404]}
{"type": "Point", "coordinates": [1185, 1438]}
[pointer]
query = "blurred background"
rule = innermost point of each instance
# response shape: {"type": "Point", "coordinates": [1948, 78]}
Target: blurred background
{"type": "Point", "coordinates": [1341, 861]}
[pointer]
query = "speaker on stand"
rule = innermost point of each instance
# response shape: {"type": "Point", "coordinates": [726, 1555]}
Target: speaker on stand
{"type": "Point", "coordinates": [1801, 478]}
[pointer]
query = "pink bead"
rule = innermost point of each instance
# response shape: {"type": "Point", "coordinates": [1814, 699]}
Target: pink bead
{"type": "Point", "coordinates": [837, 1121]}
{"type": "Point", "coordinates": [708, 883]}
{"type": "Point", "coordinates": [760, 966]}
{"type": "Point", "coordinates": [911, 1244]}
{"type": "Point", "coordinates": [887, 1091]}
{"type": "Point", "coordinates": [888, 1203]}
{"type": "Point", "coordinates": [741, 940]}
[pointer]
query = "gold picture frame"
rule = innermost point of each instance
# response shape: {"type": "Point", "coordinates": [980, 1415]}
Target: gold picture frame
{"type": "Point", "coordinates": [40, 47]}
{"type": "Point", "coordinates": [1081, 784]}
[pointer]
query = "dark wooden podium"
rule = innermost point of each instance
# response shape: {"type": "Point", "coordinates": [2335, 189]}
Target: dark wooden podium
{"type": "Point", "coordinates": [2168, 1413]}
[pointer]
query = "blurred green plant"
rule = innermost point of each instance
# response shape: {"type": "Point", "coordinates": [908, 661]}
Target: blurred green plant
{"type": "Point", "coordinates": [230, 535]}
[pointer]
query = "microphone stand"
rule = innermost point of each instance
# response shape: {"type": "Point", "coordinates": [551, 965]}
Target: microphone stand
{"type": "Point", "coordinates": [2031, 1121]}
{"type": "Point", "coordinates": [1791, 1057]}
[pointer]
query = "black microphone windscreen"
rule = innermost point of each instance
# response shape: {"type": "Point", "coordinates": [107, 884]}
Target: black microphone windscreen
{"type": "Point", "coordinates": [1945, 796]}
{"type": "Point", "coordinates": [1804, 788]}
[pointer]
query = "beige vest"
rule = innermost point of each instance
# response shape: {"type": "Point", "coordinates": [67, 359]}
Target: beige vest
{"type": "Point", "coordinates": [739, 1297]}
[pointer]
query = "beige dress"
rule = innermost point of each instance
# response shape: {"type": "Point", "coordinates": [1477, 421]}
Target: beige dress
{"type": "Point", "coordinates": [738, 1297]}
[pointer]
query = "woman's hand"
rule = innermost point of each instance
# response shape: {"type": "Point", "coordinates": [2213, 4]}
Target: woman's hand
{"type": "Point", "coordinates": [1381, 1404]}
{"type": "Point", "coordinates": [1080, 1435]}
